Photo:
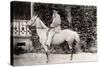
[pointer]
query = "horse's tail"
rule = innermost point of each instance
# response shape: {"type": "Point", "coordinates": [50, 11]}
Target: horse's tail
{"type": "Point", "coordinates": [77, 41]}
{"type": "Point", "coordinates": [77, 37]}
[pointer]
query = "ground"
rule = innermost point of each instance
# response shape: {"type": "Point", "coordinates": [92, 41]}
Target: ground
{"type": "Point", "coordinates": [40, 58]}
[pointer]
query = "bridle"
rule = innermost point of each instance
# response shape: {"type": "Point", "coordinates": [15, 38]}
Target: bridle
{"type": "Point", "coordinates": [34, 22]}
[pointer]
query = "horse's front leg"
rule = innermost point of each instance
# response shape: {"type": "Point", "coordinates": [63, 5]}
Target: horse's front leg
{"type": "Point", "coordinates": [46, 48]}
{"type": "Point", "coordinates": [47, 53]}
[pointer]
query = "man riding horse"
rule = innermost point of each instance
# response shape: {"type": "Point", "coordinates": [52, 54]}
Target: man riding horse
{"type": "Point", "coordinates": [54, 26]}
{"type": "Point", "coordinates": [56, 36]}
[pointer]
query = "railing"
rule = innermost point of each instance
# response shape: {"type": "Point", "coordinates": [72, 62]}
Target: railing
{"type": "Point", "coordinates": [20, 29]}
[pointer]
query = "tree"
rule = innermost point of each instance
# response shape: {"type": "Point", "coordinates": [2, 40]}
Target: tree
{"type": "Point", "coordinates": [69, 17]}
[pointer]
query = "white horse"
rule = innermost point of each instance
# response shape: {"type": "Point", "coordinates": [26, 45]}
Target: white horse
{"type": "Point", "coordinates": [64, 35]}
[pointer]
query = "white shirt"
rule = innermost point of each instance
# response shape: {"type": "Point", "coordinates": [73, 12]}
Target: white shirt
{"type": "Point", "coordinates": [56, 20]}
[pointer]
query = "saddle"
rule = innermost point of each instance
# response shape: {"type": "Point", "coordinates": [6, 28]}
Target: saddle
{"type": "Point", "coordinates": [50, 30]}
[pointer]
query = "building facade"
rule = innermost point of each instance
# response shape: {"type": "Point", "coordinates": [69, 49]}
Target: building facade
{"type": "Point", "coordinates": [21, 35]}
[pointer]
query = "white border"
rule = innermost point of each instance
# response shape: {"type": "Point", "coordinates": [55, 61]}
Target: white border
{"type": "Point", "coordinates": [77, 2]}
{"type": "Point", "coordinates": [5, 31]}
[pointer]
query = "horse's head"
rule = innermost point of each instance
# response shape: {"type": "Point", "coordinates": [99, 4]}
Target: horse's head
{"type": "Point", "coordinates": [32, 22]}
{"type": "Point", "coordinates": [36, 21]}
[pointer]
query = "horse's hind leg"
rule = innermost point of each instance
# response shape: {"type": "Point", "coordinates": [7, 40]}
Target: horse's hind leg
{"type": "Point", "coordinates": [71, 47]}
{"type": "Point", "coordinates": [73, 50]}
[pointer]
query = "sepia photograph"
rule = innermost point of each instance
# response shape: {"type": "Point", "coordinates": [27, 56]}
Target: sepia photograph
{"type": "Point", "coordinates": [49, 33]}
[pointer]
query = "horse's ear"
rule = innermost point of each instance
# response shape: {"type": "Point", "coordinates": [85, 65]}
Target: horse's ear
{"type": "Point", "coordinates": [36, 15]}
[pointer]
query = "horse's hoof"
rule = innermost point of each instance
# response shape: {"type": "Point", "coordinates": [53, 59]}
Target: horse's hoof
{"type": "Point", "coordinates": [46, 61]}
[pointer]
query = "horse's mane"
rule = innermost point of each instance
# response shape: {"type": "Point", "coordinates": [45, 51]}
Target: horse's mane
{"type": "Point", "coordinates": [42, 24]}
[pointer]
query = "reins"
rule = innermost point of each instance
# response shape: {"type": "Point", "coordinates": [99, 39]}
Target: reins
{"type": "Point", "coordinates": [39, 28]}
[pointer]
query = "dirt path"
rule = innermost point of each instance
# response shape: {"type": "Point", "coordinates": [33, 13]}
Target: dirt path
{"type": "Point", "coordinates": [40, 58]}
